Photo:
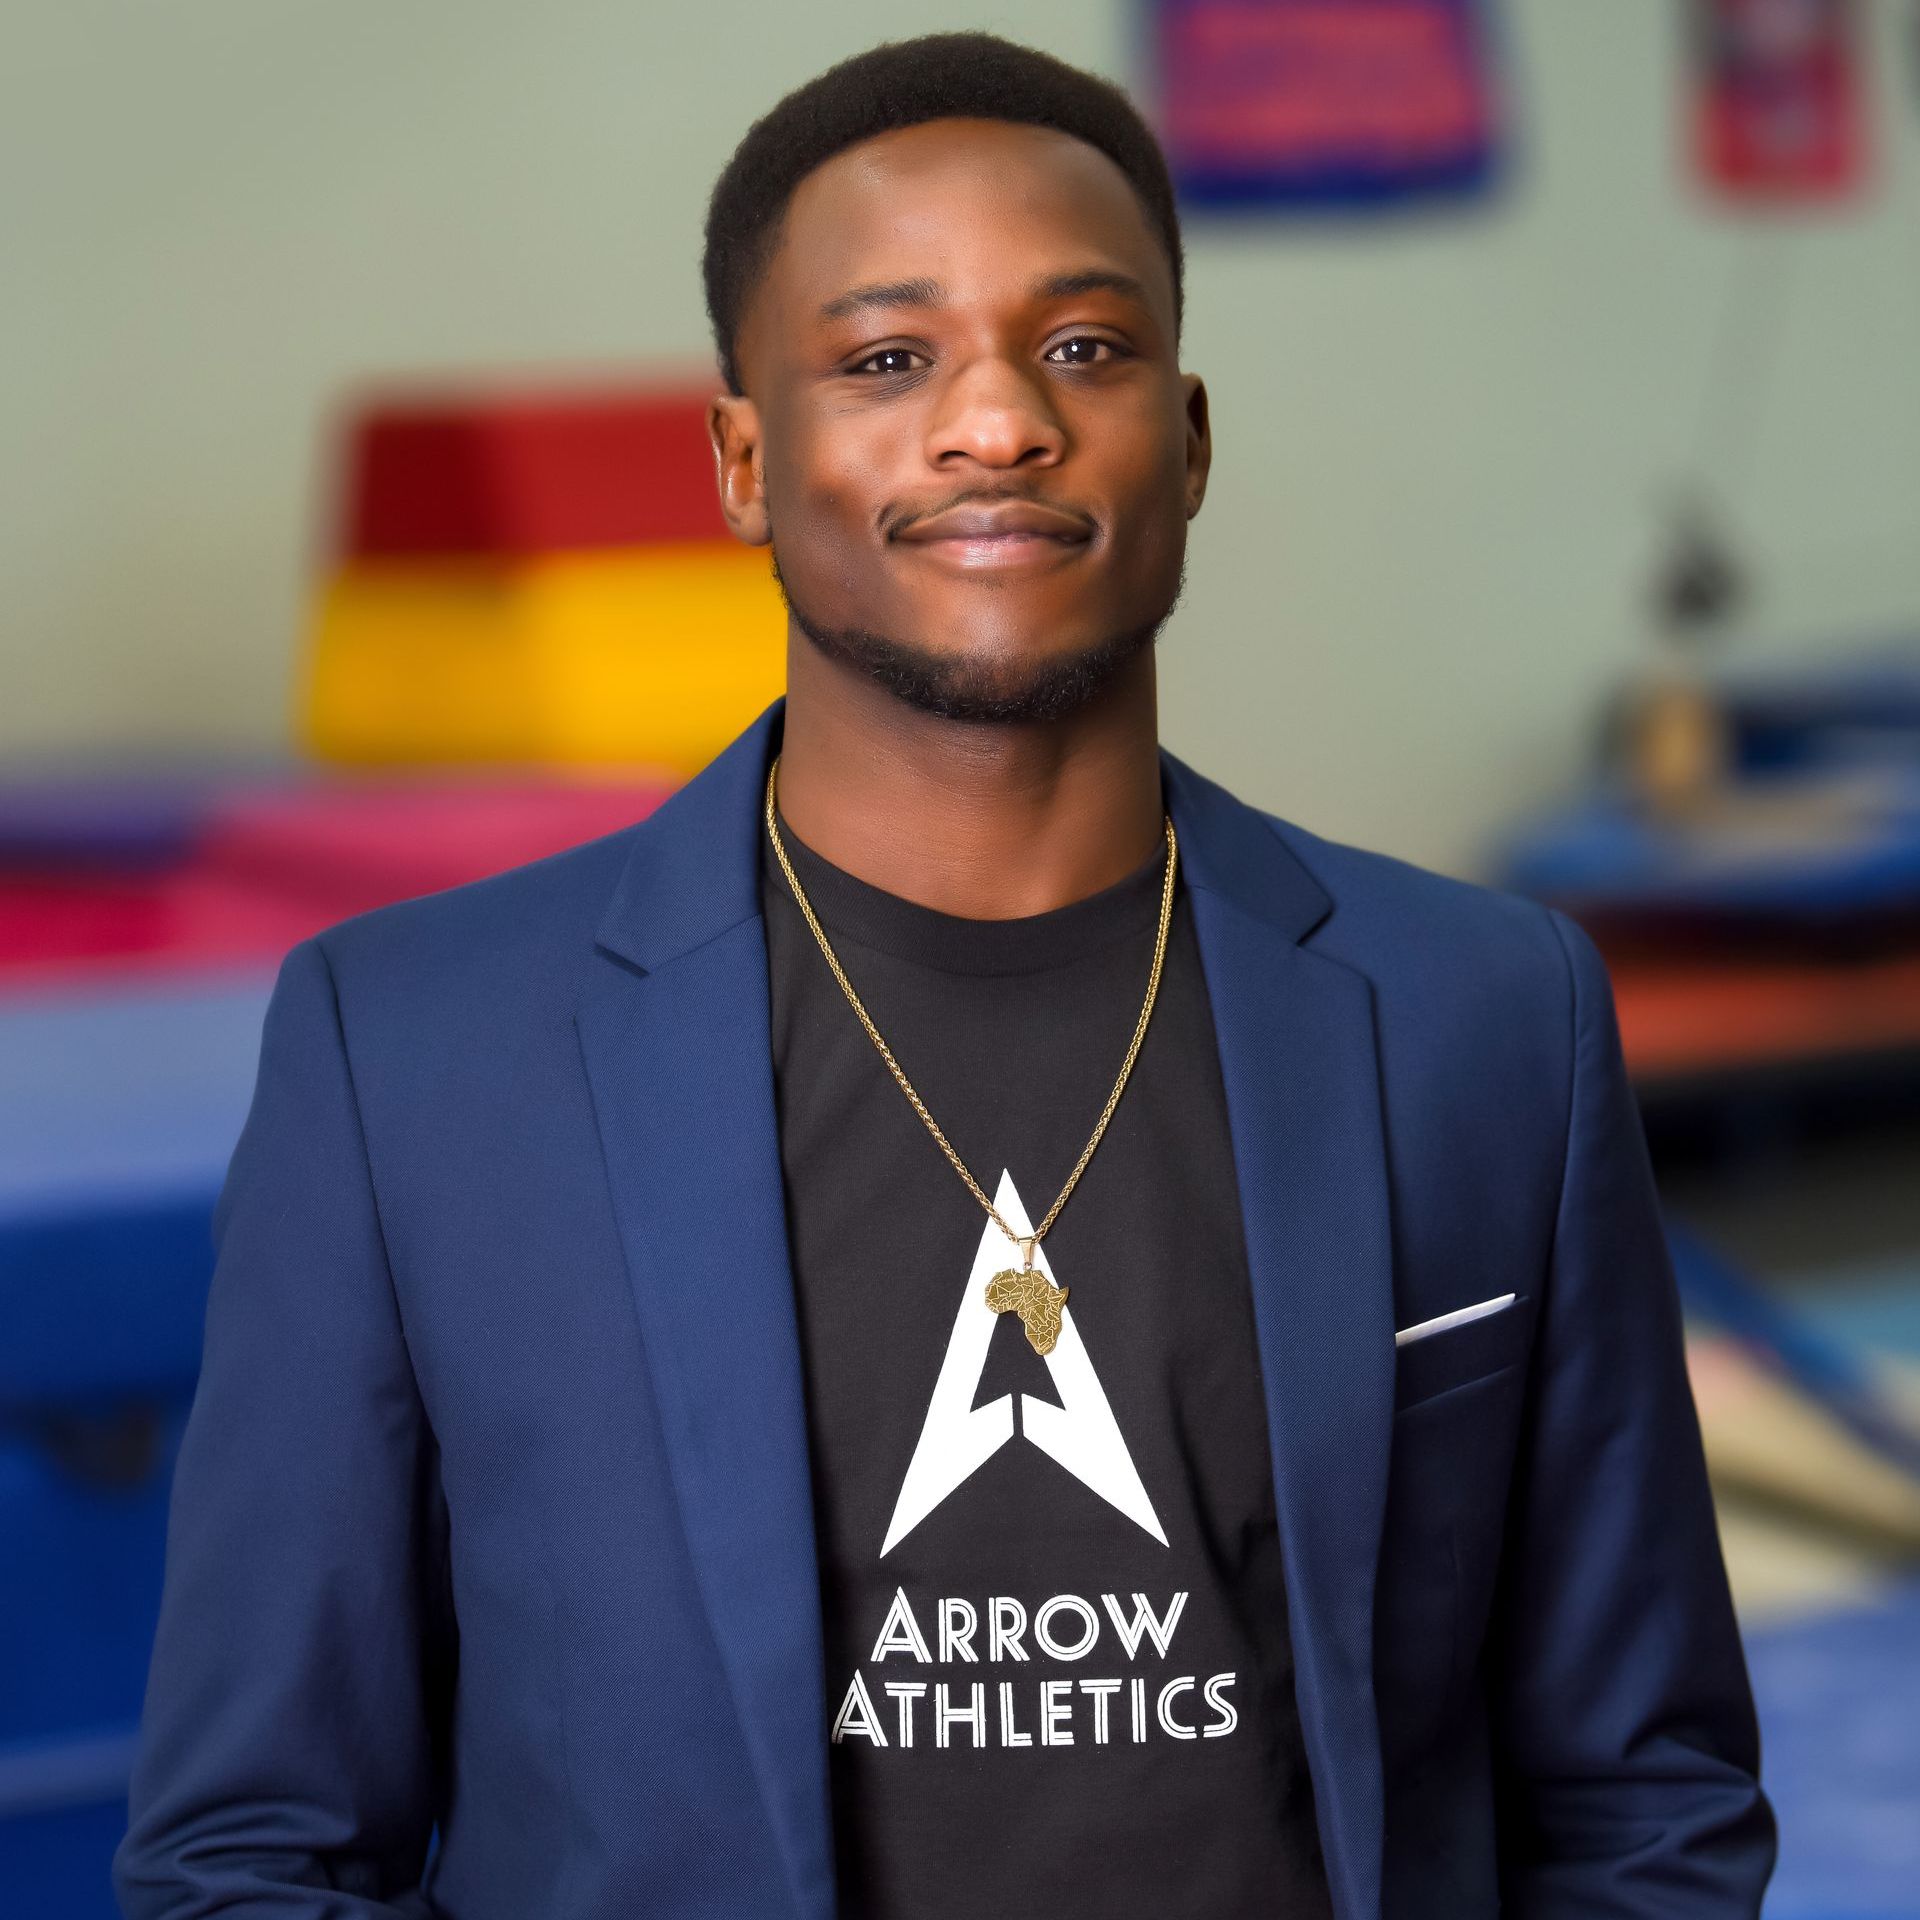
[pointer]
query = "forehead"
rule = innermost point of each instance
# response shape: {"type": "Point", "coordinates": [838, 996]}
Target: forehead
{"type": "Point", "coordinates": [964, 201]}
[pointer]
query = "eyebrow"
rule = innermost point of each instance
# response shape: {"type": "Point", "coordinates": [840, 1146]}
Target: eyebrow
{"type": "Point", "coordinates": [1063, 286]}
{"type": "Point", "coordinates": [930, 293]}
{"type": "Point", "coordinates": [885, 293]}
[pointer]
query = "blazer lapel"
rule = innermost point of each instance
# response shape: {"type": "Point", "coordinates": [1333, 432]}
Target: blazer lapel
{"type": "Point", "coordinates": [678, 1055]}
{"type": "Point", "coordinates": [1297, 1054]}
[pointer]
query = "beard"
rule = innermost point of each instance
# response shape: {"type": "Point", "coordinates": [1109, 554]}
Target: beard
{"type": "Point", "coordinates": [992, 694]}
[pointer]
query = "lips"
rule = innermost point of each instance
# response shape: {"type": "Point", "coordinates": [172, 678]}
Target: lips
{"type": "Point", "coordinates": [1013, 521]}
{"type": "Point", "coordinates": [999, 537]}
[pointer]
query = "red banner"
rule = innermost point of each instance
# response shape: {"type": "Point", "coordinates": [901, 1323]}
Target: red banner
{"type": "Point", "coordinates": [1778, 113]}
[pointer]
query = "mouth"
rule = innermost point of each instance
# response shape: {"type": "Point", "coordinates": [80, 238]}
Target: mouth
{"type": "Point", "coordinates": [1016, 534]}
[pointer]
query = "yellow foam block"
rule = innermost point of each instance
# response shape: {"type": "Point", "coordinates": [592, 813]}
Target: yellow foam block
{"type": "Point", "coordinates": [655, 656]}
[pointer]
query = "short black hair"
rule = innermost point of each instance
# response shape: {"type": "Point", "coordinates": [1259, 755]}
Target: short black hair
{"type": "Point", "coordinates": [901, 83]}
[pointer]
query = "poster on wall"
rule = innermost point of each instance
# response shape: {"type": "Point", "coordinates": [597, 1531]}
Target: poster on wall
{"type": "Point", "coordinates": [1778, 112]}
{"type": "Point", "coordinates": [1324, 104]}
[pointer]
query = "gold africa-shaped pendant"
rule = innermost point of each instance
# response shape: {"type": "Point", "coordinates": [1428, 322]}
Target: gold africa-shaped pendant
{"type": "Point", "coordinates": [1029, 1293]}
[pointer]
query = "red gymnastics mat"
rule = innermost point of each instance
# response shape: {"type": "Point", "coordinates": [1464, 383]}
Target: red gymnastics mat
{"type": "Point", "coordinates": [243, 872]}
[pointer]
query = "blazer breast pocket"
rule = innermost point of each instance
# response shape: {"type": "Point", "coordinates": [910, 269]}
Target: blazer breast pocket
{"type": "Point", "coordinates": [1457, 1348]}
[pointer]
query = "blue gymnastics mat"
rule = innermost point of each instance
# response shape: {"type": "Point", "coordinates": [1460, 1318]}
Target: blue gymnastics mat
{"type": "Point", "coordinates": [118, 1114]}
{"type": "Point", "coordinates": [1839, 1701]}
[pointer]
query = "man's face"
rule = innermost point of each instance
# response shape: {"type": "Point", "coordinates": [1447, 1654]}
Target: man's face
{"type": "Point", "coordinates": [965, 430]}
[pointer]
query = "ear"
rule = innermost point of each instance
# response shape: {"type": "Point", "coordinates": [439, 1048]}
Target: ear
{"type": "Point", "coordinates": [1199, 441]}
{"type": "Point", "coordinates": [733, 425]}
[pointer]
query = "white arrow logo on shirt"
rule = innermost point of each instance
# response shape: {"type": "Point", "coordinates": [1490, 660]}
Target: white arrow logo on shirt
{"type": "Point", "coordinates": [1081, 1433]}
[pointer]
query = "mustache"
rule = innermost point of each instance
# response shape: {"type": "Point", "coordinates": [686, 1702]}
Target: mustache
{"type": "Point", "coordinates": [898, 520]}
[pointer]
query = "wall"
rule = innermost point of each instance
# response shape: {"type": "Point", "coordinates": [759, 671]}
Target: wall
{"type": "Point", "coordinates": [1441, 444]}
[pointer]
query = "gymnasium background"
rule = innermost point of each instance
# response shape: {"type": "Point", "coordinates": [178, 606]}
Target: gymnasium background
{"type": "Point", "coordinates": [1564, 533]}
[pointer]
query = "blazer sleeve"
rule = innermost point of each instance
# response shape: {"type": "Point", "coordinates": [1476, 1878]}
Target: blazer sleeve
{"type": "Point", "coordinates": [1626, 1747]}
{"type": "Point", "coordinates": [287, 1756]}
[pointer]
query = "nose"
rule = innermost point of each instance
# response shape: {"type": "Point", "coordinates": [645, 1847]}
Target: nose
{"type": "Point", "coordinates": [995, 414]}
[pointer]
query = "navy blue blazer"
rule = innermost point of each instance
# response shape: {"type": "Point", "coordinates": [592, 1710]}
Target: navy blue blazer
{"type": "Point", "coordinates": [493, 1513]}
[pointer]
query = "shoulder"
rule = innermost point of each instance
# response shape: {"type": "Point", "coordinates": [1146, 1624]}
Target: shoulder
{"type": "Point", "coordinates": [1483, 1002]}
{"type": "Point", "coordinates": [1442, 948]}
{"type": "Point", "coordinates": [1385, 907]}
{"type": "Point", "coordinates": [527, 929]}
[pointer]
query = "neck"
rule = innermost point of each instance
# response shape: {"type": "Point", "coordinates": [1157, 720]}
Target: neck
{"type": "Point", "coordinates": [987, 822]}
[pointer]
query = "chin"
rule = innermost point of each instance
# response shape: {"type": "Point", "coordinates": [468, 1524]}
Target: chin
{"type": "Point", "coordinates": [994, 686]}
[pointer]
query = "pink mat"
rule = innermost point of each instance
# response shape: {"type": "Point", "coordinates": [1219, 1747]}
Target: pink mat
{"type": "Point", "coordinates": [269, 867]}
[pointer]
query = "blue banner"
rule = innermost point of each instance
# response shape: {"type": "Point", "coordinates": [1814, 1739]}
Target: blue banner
{"type": "Point", "coordinates": [1324, 103]}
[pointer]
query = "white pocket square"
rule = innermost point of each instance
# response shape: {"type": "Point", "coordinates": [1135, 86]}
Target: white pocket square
{"type": "Point", "coordinates": [1458, 1317]}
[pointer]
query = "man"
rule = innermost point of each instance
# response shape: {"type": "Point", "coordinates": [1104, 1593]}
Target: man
{"type": "Point", "coordinates": [958, 1322]}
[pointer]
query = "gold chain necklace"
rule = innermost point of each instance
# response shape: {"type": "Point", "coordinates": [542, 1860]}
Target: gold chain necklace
{"type": "Point", "coordinates": [1021, 1289]}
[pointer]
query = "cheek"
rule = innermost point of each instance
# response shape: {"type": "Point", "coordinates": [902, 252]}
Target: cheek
{"type": "Point", "coordinates": [1150, 516]}
{"type": "Point", "coordinates": [1140, 455]}
{"type": "Point", "coordinates": [841, 452]}
{"type": "Point", "coordinates": [825, 501]}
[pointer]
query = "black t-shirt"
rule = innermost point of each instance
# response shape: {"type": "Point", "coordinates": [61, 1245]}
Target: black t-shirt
{"type": "Point", "coordinates": [1058, 1680]}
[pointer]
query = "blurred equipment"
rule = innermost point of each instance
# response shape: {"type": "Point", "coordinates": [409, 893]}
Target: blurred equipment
{"type": "Point", "coordinates": [1748, 859]}
{"type": "Point", "coordinates": [1816, 1422]}
{"type": "Point", "coordinates": [1773, 918]}
{"type": "Point", "coordinates": [538, 579]}
{"type": "Point", "coordinates": [112, 882]}
{"type": "Point", "coordinates": [1750, 865]}
{"type": "Point", "coordinates": [142, 918]}
{"type": "Point", "coordinates": [1303, 105]}
{"type": "Point", "coordinates": [1840, 1746]}
{"type": "Point", "coordinates": [1701, 583]}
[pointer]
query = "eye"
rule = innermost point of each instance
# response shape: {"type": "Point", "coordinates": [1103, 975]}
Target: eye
{"type": "Point", "coordinates": [886, 353]}
{"type": "Point", "coordinates": [1087, 359]}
